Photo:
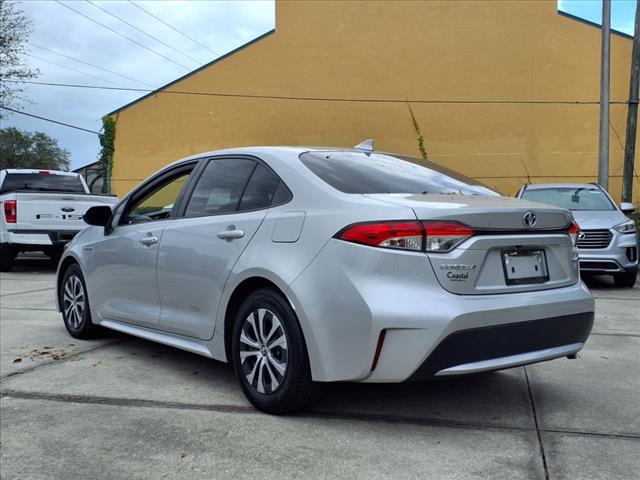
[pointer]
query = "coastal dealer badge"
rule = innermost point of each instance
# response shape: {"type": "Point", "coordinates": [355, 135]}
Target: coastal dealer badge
{"type": "Point", "coordinates": [458, 272]}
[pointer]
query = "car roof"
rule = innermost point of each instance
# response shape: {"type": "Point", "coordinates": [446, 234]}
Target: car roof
{"type": "Point", "coordinates": [540, 186]}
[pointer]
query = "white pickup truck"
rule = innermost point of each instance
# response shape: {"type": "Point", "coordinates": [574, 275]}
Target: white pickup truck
{"type": "Point", "coordinates": [41, 210]}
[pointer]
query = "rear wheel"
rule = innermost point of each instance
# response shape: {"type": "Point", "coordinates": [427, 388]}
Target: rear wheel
{"type": "Point", "coordinates": [626, 279]}
{"type": "Point", "coordinates": [270, 355]}
{"type": "Point", "coordinates": [7, 256]}
{"type": "Point", "coordinates": [75, 305]}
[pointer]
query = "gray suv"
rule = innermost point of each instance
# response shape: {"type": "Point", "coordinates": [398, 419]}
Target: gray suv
{"type": "Point", "coordinates": [608, 240]}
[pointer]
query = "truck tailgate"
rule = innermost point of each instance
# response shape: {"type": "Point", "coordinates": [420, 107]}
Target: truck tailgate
{"type": "Point", "coordinates": [55, 211]}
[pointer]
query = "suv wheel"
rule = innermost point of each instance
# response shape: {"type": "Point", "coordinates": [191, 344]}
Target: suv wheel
{"type": "Point", "coordinates": [626, 279]}
{"type": "Point", "coordinates": [75, 305]}
{"type": "Point", "coordinates": [269, 354]}
{"type": "Point", "coordinates": [7, 255]}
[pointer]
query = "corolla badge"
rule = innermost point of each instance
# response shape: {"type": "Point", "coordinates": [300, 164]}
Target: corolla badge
{"type": "Point", "coordinates": [530, 219]}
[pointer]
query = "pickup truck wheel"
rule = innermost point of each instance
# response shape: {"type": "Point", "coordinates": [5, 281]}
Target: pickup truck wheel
{"type": "Point", "coordinates": [74, 304]}
{"type": "Point", "coordinates": [270, 356]}
{"type": "Point", "coordinates": [7, 255]}
{"type": "Point", "coordinates": [626, 279]}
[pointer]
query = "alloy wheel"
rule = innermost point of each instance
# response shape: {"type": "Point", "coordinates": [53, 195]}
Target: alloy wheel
{"type": "Point", "coordinates": [73, 301]}
{"type": "Point", "coordinates": [263, 351]}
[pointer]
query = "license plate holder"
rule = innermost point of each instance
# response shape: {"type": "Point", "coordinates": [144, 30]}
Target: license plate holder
{"type": "Point", "coordinates": [524, 266]}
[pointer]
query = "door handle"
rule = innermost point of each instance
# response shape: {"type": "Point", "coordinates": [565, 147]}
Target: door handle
{"type": "Point", "coordinates": [231, 233]}
{"type": "Point", "coordinates": [148, 241]}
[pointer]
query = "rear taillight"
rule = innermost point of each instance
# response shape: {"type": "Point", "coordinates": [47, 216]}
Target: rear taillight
{"type": "Point", "coordinates": [445, 236]}
{"type": "Point", "coordinates": [10, 211]}
{"type": "Point", "coordinates": [429, 236]}
{"type": "Point", "coordinates": [574, 230]}
{"type": "Point", "coordinates": [402, 235]}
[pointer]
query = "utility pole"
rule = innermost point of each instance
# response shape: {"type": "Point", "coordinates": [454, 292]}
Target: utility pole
{"type": "Point", "coordinates": [603, 154]}
{"type": "Point", "coordinates": [632, 114]}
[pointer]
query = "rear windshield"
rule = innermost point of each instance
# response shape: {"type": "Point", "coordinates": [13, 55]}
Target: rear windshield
{"type": "Point", "coordinates": [356, 172]}
{"type": "Point", "coordinates": [581, 198]}
{"type": "Point", "coordinates": [42, 182]}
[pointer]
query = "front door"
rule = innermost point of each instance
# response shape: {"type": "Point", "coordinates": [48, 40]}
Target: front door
{"type": "Point", "coordinates": [124, 284]}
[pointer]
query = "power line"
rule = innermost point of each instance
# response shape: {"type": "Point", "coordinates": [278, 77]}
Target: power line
{"type": "Point", "coordinates": [50, 120]}
{"type": "Point", "coordinates": [145, 33]}
{"type": "Point", "coordinates": [331, 99]}
{"type": "Point", "coordinates": [173, 28]}
{"type": "Point", "coordinates": [121, 35]}
{"type": "Point", "coordinates": [89, 64]}
{"type": "Point", "coordinates": [69, 68]}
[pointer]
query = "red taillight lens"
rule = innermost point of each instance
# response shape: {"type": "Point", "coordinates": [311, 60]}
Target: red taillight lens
{"type": "Point", "coordinates": [445, 236]}
{"type": "Point", "coordinates": [43, 171]}
{"type": "Point", "coordinates": [574, 230]}
{"type": "Point", "coordinates": [10, 211]}
{"type": "Point", "coordinates": [403, 235]}
{"type": "Point", "coordinates": [430, 236]}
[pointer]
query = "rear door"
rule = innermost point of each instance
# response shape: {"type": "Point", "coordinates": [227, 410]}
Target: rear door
{"type": "Point", "coordinates": [123, 282]}
{"type": "Point", "coordinates": [198, 251]}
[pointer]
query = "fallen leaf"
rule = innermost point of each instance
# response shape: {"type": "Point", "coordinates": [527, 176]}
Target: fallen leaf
{"type": "Point", "coordinates": [17, 360]}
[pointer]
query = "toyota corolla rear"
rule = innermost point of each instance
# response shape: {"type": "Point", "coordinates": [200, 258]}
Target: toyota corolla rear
{"type": "Point", "coordinates": [446, 279]}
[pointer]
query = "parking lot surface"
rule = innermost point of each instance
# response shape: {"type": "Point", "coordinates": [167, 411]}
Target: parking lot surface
{"type": "Point", "coordinates": [121, 407]}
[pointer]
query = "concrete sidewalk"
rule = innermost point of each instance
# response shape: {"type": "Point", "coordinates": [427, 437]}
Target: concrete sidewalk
{"type": "Point", "coordinates": [121, 407]}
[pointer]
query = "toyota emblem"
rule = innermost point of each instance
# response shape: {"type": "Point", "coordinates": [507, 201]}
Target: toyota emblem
{"type": "Point", "coordinates": [529, 219]}
{"type": "Point", "coordinates": [582, 236]}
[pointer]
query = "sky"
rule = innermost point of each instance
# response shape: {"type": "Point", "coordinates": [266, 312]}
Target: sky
{"type": "Point", "coordinates": [216, 26]}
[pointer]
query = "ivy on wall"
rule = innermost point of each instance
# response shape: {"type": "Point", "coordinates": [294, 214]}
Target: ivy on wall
{"type": "Point", "coordinates": [105, 159]}
{"type": "Point", "coordinates": [416, 127]}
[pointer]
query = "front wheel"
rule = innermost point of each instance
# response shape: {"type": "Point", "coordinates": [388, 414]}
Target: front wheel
{"type": "Point", "coordinates": [74, 303]}
{"type": "Point", "coordinates": [626, 279]}
{"type": "Point", "coordinates": [270, 355]}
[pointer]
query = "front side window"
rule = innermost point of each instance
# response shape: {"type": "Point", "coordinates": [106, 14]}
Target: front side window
{"type": "Point", "coordinates": [359, 172]}
{"type": "Point", "coordinates": [574, 198]}
{"type": "Point", "coordinates": [157, 202]}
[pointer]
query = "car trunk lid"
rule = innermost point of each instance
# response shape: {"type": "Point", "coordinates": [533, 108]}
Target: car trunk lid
{"type": "Point", "coordinates": [506, 253]}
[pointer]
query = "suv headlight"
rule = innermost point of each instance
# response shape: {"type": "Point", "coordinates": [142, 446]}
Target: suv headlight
{"type": "Point", "coordinates": [626, 227]}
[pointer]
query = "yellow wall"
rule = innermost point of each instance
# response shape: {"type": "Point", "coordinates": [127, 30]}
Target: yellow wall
{"type": "Point", "coordinates": [448, 50]}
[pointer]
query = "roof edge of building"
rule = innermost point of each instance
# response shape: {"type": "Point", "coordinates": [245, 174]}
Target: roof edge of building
{"type": "Point", "coordinates": [193, 72]}
{"type": "Point", "coordinates": [594, 24]}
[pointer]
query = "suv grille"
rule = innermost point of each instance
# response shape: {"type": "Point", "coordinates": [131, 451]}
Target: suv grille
{"type": "Point", "coordinates": [594, 239]}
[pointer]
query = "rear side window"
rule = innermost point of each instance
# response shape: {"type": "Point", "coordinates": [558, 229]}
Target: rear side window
{"type": "Point", "coordinates": [356, 172]}
{"type": "Point", "coordinates": [42, 182]}
{"type": "Point", "coordinates": [261, 190]}
{"type": "Point", "coordinates": [220, 187]}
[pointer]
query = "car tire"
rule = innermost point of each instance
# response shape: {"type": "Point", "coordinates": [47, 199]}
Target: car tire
{"type": "Point", "coordinates": [7, 256]}
{"type": "Point", "coordinates": [74, 303]}
{"type": "Point", "coordinates": [270, 355]}
{"type": "Point", "coordinates": [626, 279]}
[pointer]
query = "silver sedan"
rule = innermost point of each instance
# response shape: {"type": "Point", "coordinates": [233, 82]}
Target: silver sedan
{"type": "Point", "coordinates": [301, 266]}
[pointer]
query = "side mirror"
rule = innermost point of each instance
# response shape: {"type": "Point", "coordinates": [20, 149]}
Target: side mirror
{"type": "Point", "coordinates": [99, 216]}
{"type": "Point", "coordinates": [627, 207]}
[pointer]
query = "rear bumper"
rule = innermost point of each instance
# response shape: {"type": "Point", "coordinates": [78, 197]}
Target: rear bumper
{"type": "Point", "coordinates": [37, 238]}
{"type": "Point", "coordinates": [508, 345]}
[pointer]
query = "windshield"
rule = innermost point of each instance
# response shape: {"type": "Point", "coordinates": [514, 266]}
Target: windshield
{"type": "Point", "coordinates": [580, 198]}
{"type": "Point", "coordinates": [359, 172]}
{"type": "Point", "coordinates": [43, 182]}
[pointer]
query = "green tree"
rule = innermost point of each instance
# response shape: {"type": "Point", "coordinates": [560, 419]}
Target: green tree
{"type": "Point", "coordinates": [15, 30]}
{"type": "Point", "coordinates": [19, 149]}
